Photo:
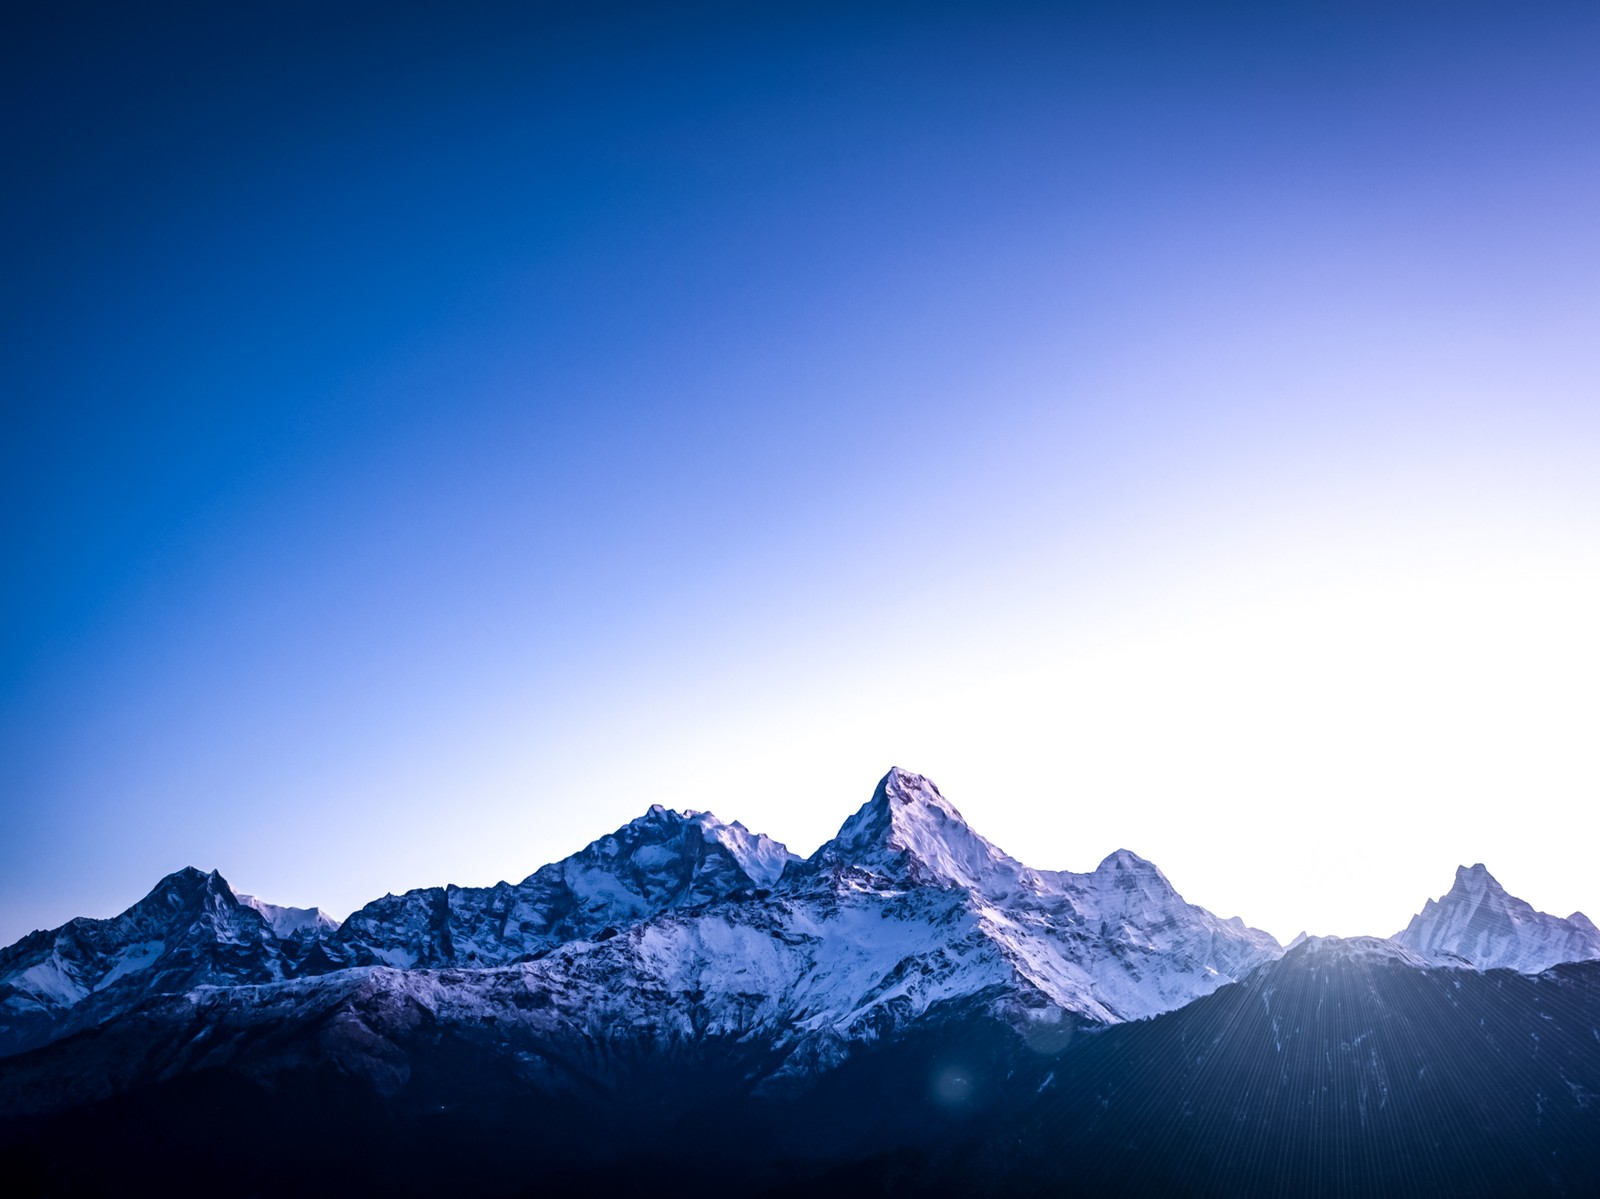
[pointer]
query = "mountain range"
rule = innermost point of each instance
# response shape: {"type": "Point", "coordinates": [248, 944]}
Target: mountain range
{"type": "Point", "coordinates": [683, 970]}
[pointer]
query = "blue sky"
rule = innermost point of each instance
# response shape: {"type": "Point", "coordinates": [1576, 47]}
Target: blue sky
{"type": "Point", "coordinates": [430, 438]}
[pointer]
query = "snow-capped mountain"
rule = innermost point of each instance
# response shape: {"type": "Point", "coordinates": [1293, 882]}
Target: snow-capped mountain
{"type": "Point", "coordinates": [190, 929]}
{"type": "Point", "coordinates": [683, 973]}
{"type": "Point", "coordinates": [1344, 1068]}
{"type": "Point", "coordinates": [1117, 943]}
{"type": "Point", "coordinates": [1477, 923]}
{"type": "Point", "coordinates": [290, 922]}
{"type": "Point", "coordinates": [662, 860]}
{"type": "Point", "coordinates": [690, 926]}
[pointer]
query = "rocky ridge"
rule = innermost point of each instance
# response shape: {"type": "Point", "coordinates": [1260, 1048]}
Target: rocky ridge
{"type": "Point", "coordinates": [680, 930]}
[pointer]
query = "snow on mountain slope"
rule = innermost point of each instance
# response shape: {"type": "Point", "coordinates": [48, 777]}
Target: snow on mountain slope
{"type": "Point", "coordinates": [290, 922]}
{"type": "Point", "coordinates": [908, 830]}
{"type": "Point", "coordinates": [662, 860]}
{"type": "Point", "coordinates": [191, 928]}
{"type": "Point", "coordinates": [1117, 943]}
{"type": "Point", "coordinates": [1477, 923]}
{"type": "Point", "coordinates": [1366, 950]}
{"type": "Point", "coordinates": [680, 925]}
{"type": "Point", "coordinates": [796, 984]}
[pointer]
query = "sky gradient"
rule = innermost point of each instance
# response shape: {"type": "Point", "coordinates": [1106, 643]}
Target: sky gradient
{"type": "Point", "coordinates": [431, 439]}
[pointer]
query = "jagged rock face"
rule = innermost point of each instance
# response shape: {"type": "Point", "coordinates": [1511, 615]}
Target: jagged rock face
{"type": "Point", "coordinates": [1117, 943]}
{"type": "Point", "coordinates": [679, 927]}
{"type": "Point", "coordinates": [686, 926]}
{"type": "Point", "coordinates": [909, 832]}
{"type": "Point", "coordinates": [661, 861]}
{"type": "Point", "coordinates": [190, 929]}
{"type": "Point", "coordinates": [1477, 924]}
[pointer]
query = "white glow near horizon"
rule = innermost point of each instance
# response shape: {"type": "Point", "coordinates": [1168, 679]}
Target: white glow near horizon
{"type": "Point", "coordinates": [1307, 717]}
{"type": "Point", "coordinates": [1306, 740]}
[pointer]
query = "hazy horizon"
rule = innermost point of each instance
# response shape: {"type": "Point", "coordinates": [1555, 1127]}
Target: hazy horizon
{"type": "Point", "coordinates": [430, 440]}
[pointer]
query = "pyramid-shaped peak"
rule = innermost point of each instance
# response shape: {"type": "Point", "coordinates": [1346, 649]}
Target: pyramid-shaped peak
{"type": "Point", "coordinates": [1126, 870]}
{"type": "Point", "coordinates": [1478, 923]}
{"type": "Point", "coordinates": [190, 885]}
{"type": "Point", "coordinates": [1126, 859]}
{"type": "Point", "coordinates": [908, 783]}
{"type": "Point", "coordinates": [910, 831]}
{"type": "Point", "coordinates": [1477, 880]}
{"type": "Point", "coordinates": [902, 805]}
{"type": "Point", "coordinates": [912, 794]}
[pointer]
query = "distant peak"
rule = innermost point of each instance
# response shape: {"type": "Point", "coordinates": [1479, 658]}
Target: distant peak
{"type": "Point", "coordinates": [188, 892]}
{"type": "Point", "coordinates": [908, 829]}
{"type": "Point", "coordinates": [905, 783]}
{"type": "Point", "coordinates": [190, 880]}
{"type": "Point", "coordinates": [1126, 859]}
{"type": "Point", "coordinates": [663, 835]}
{"type": "Point", "coordinates": [901, 802]}
{"type": "Point", "coordinates": [1125, 870]}
{"type": "Point", "coordinates": [1479, 924]}
{"type": "Point", "coordinates": [1355, 949]}
{"type": "Point", "coordinates": [287, 921]}
{"type": "Point", "coordinates": [660, 814]}
{"type": "Point", "coordinates": [1476, 880]}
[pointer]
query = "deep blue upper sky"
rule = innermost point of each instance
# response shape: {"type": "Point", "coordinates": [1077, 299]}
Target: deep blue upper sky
{"type": "Point", "coordinates": [432, 436]}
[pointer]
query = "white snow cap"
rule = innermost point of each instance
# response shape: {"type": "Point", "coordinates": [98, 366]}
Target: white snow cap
{"type": "Point", "coordinates": [908, 826]}
{"type": "Point", "coordinates": [286, 922]}
{"type": "Point", "coordinates": [758, 855]}
{"type": "Point", "coordinates": [1356, 949]}
{"type": "Point", "coordinates": [1477, 923]}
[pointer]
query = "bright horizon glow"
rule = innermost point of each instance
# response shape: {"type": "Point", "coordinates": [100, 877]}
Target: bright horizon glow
{"type": "Point", "coordinates": [1176, 435]}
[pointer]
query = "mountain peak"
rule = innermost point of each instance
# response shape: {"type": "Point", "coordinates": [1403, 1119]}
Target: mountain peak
{"type": "Point", "coordinates": [656, 817]}
{"type": "Point", "coordinates": [758, 855]}
{"type": "Point", "coordinates": [1126, 860]}
{"type": "Point", "coordinates": [1476, 880]}
{"type": "Point", "coordinates": [665, 851]}
{"type": "Point", "coordinates": [1317, 950]}
{"type": "Point", "coordinates": [908, 829]}
{"type": "Point", "coordinates": [1125, 870]}
{"type": "Point", "coordinates": [1478, 923]}
{"type": "Point", "coordinates": [661, 860]}
{"type": "Point", "coordinates": [908, 799]}
{"type": "Point", "coordinates": [188, 887]}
